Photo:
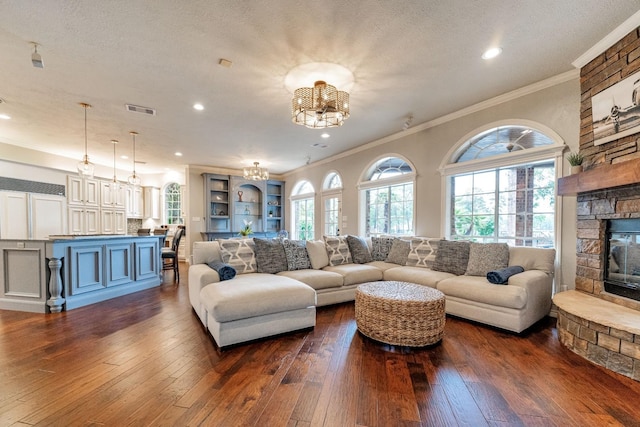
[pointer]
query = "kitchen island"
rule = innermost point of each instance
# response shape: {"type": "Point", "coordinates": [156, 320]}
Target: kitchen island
{"type": "Point", "coordinates": [70, 271]}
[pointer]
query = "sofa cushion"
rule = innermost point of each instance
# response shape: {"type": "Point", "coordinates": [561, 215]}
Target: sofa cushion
{"type": "Point", "coordinates": [205, 252]}
{"type": "Point", "coordinates": [337, 250]}
{"type": "Point", "coordinates": [399, 252]}
{"type": "Point", "coordinates": [356, 273]}
{"type": "Point", "coordinates": [317, 251]}
{"type": "Point", "coordinates": [380, 247]}
{"type": "Point", "coordinates": [359, 249]}
{"type": "Point", "coordinates": [533, 258]}
{"type": "Point", "coordinates": [296, 254]}
{"type": "Point", "coordinates": [423, 251]}
{"type": "Point", "coordinates": [452, 256]}
{"type": "Point", "coordinates": [476, 288]}
{"type": "Point", "coordinates": [317, 279]}
{"type": "Point", "coordinates": [270, 255]}
{"type": "Point", "coordinates": [382, 265]}
{"type": "Point", "coordinates": [239, 253]}
{"type": "Point", "coordinates": [484, 257]}
{"type": "Point", "coordinates": [419, 275]}
{"type": "Point", "coordinates": [254, 295]}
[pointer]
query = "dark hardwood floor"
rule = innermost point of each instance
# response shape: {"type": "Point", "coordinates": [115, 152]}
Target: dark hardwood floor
{"type": "Point", "coordinates": [144, 359]}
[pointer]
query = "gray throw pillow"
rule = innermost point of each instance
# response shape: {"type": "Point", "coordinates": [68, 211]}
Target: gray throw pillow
{"type": "Point", "coordinates": [270, 255]}
{"type": "Point", "coordinates": [484, 257]}
{"type": "Point", "coordinates": [452, 257]}
{"type": "Point", "coordinates": [297, 255]}
{"type": "Point", "coordinates": [399, 252]}
{"type": "Point", "coordinates": [380, 247]}
{"type": "Point", "coordinates": [359, 249]}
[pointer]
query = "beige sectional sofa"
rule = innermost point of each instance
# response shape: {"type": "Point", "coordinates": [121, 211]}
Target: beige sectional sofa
{"type": "Point", "coordinates": [254, 305]}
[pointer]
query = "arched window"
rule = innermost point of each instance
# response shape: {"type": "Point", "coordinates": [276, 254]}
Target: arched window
{"type": "Point", "coordinates": [500, 186]}
{"type": "Point", "coordinates": [173, 203]}
{"type": "Point", "coordinates": [332, 204]}
{"type": "Point", "coordinates": [302, 202]}
{"type": "Point", "coordinates": [387, 197]}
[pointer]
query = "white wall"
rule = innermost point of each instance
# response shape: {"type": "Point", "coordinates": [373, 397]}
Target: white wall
{"type": "Point", "coordinates": [557, 107]}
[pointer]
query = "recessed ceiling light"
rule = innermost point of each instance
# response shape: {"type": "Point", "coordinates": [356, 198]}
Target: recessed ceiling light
{"type": "Point", "coordinates": [325, 135]}
{"type": "Point", "coordinates": [125, 157]}
{"type": "Point", "coordinates": [492, 53]}
{"type": "Point", "coordinates": [4, 117]}
{"type": "Point", "coordinates": [177, 153]}
{"type": "Point", "coordinates": [198, 107]}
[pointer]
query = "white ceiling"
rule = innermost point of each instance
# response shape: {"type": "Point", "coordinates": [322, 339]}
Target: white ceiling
{"type": "Point", "coordinates": [419, 57]}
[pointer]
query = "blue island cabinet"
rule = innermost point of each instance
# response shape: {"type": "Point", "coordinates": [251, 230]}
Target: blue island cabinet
{"type": "Point", "coordinates": [88, 269]}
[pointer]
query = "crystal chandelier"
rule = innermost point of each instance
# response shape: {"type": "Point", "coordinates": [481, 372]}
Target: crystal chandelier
{"type": "Point", "coordinates": [319, 107]}
{"type": "Point", "coordinates": [255, 173]}
{"type": "Point", "coordinates": [85, 167]}
{"type": "Point", "coordinates": [134, 179]}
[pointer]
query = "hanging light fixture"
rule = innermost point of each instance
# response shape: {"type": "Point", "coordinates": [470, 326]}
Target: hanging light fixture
{"type": "Point", "coordinates": [319, 107]}
{"type": "Point", "coordinates": [85, 167]}
{"type": "Point", "coordinates": [255, 173]}
{"type": "Point", "coordinates": [133, 178]}
{"type": "Point", "coordinates": [114, 185]}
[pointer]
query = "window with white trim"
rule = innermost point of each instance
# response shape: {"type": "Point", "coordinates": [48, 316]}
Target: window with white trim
{"type": "Point", "coordinates": [501, 187]}
{"type": "Point", "coordinates": [173, 203]}
{"type": "Point", "coordinates": [331, 204]}
{"type": "Point", "coordinates": [302, 203]}
{"type": "Point", "coordinates": [388, 198]}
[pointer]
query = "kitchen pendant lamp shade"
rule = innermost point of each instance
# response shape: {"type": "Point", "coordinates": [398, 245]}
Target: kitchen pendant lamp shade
{"type": "Point", "coordinates": [255, 173]}
{"type": "Point", "coordinates": [319, 107]}
{"type": "Point", "coordinates": [134, 179]}
{"type": "Point", "coordinates": [85, 167]}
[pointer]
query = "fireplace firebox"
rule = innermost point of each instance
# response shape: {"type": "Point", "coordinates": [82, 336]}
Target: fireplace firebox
{"type": "Point", "coordinates": [622, 270]}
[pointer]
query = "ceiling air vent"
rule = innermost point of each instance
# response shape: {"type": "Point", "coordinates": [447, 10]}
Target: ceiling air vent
{"type": "Point", "coordinates": [138, 109]}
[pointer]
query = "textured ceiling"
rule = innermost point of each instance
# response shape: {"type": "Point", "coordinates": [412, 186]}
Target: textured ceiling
{"type": "Point", "coordinates": [419, 57]}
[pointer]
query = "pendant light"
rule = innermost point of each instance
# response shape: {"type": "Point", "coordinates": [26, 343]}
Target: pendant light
{"type": "Point", "coordinates": [85, 167]}
{"type": "Point", "coordinates": [114, 185]}
{"type": "Point", "coordinates": [134, 179]}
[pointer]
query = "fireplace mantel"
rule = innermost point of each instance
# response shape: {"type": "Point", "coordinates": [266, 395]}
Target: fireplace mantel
{"type": "Point", "coordinates": [600, 178]}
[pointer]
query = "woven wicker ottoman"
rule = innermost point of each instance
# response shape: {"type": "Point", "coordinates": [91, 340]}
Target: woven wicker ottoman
{"type": "Point", "coordinates": [400, 313]}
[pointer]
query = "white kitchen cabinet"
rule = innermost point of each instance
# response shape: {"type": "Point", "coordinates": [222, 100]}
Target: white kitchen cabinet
{"type": "Point", "coordinates": [135, 202]}
{"type": "Point", "coordinates": [84, 220]}
{"type": "Point", "coordinates": [113, 221]}
{"type": "Point", "coordinates": [110, 199]}
{"type": "Point", "coordinates": [31, 215]}
{"type": "Point", "coordinates": [152, 202]}
{"type": "Point", "coordinates": [83, 191]}
{"type": "Point", "coordinates": [14, 212]}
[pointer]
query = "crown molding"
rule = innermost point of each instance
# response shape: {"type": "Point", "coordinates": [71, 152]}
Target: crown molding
{"type": "Point", "coordinates": [609, 40]}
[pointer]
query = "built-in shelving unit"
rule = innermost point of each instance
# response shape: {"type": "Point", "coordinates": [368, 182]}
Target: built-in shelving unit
{"type": "Point", "coordinates": [232, 202]}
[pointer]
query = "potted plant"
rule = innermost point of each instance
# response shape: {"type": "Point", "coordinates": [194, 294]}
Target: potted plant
{"type": "Point", "coordinates": [575, 160]}
{"type": "Point", "coordinates": [246, 230]}
{"type": "Point", "coordinates": [270, 213]}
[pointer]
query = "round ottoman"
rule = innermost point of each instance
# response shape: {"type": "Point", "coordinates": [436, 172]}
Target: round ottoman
{"type": "Point", "coordinates": [400, 313]}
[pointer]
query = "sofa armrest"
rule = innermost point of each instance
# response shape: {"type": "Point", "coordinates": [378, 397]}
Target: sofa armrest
{"type": "Point", "coordinates": [200, 275]}
{"type": "Point", "coordinates": [538, 285]}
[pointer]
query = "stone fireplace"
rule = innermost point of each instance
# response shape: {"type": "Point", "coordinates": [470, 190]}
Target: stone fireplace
{"type": "Point", "coordinates": [600, 319]}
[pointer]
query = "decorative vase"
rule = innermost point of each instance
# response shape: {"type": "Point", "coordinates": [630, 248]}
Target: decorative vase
{"type": "Point", "coordinates": [576, 169]}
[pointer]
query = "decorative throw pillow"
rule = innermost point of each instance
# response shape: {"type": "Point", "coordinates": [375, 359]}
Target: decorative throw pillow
{"type": "Point", "coordinates": [380, 247]}
{"type": "Point", "coordinates": [399, 252]}
{"type": "Point", "coordinates": [337, 250]}
{"type": "Point", "coordinates": [239, 254]}
{"type": "Point", "coordinates": [296, 253]}
{"type": "Point", "coordinates": [452, 256]}
{"type": "Point", "coordinates": [359, 249]}
{"type": "Point", "coordinates": [317, 254]}
{"type": "Point", "coordinates": [484, 257]}
{"type": "Point", "coordinates": [270, 256]}
{"type": "Point", "coordinates": [423, 252]}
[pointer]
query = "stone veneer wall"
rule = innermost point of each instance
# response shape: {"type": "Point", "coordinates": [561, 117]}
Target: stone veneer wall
{"type": "Point", "coordinates": [612, 348]}
{"type": "Point", "coordinates": [609, 68]}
